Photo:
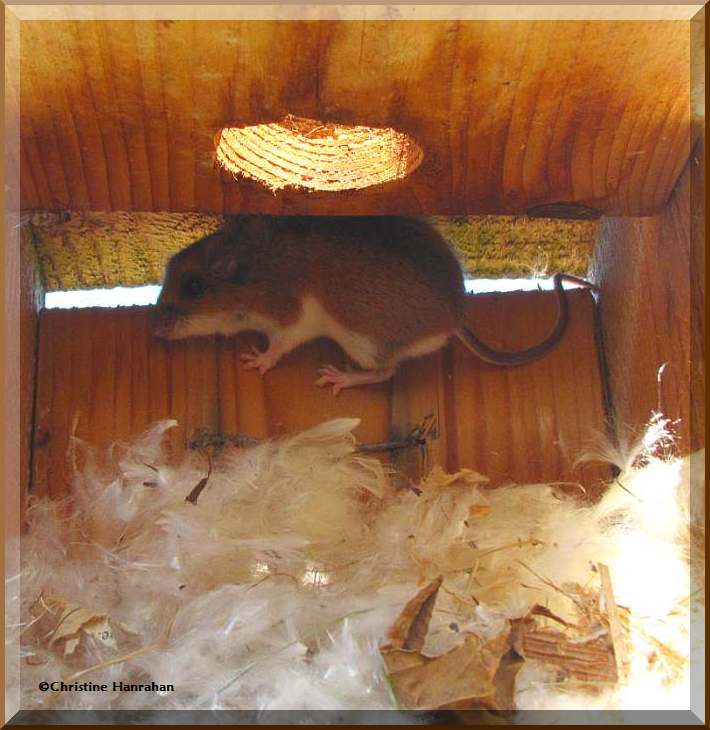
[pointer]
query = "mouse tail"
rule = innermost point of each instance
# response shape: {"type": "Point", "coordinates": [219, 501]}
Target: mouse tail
{"type": "Point", "coordinates": [520, 357]}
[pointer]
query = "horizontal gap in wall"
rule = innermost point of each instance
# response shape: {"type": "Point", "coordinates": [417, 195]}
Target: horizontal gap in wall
{"type": "Point", "coordinates": [119, 296]}
{"type": "Point", "coordinates": [123, 296]}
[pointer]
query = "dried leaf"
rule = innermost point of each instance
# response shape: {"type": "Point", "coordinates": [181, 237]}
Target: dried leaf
{"type": "Point", "coordinates": [438, 478]}
{"type": "Point", "coordinates": [538, 610]}
{"type": "Point", "coordinates": [463, 674]}
{"type": "Point", "coordinates": [61, 621]}
{"type": "Point", "coordinates": [70, 645]}
{"type": "Point", "coordinates": [503, 698]}
{"type": "Point", "coordinates": [101, 629]}
{"type": "Point", "coordinates": [504, 682]}
{"type": "Point", "coordinates": [409, 630]}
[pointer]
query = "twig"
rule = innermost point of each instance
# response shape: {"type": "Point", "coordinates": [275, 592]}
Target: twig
{"type": "Point", "coordinates": [466, 602]}
{"type": "Point", "coordinates": [569, 484]}
{"type": "Point", "coordinates": [386, 446]}
{"type": "Point", "coordinates": [416, 438]}
{"type": "Point", "coordinates": [272, 575]}
{"type": "Point", "coordinates": [626, 489]}
{"type": "Point", "coordinates": [203, 439]}
{"type": "Point", "coordinates": [538, 610]}
{"type": "Point", "coordinates": [517, 544]}
{"type": "Point", "coordinates": [549, 583]}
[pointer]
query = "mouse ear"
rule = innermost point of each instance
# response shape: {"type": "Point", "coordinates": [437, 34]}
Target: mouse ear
{"type": "Point", "coordinates": [229, 265]}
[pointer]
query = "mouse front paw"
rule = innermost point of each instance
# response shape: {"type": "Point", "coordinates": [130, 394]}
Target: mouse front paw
{"type": "Point", "coordinates": [257, 360]}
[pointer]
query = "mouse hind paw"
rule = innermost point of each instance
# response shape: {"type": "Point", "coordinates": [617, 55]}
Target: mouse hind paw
{"type": "Point", "coordinates": [330, 375]}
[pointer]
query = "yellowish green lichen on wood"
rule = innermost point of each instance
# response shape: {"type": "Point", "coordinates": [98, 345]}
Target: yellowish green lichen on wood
{"type": "Point", "coordinates": [102, 250]}
{"type": "Point", "coordinates": [506, 246]}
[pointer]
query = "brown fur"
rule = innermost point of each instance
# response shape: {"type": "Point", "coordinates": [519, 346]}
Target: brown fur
{"type": "Point", "coordinates": [394, 280]}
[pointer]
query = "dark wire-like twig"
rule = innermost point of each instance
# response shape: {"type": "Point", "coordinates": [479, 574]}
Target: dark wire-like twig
{"type": "Point", "coordinates": [416, 438]}
{"type": "Point", "coordinates": [204, 439]}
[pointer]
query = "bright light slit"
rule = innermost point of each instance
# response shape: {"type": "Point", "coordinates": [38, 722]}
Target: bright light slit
{"type": "Point", "coordinates": [120, 296]}
{"type": "Point", "coordinates": [123, 296]}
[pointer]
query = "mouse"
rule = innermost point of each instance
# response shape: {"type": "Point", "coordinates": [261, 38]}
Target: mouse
{"type": "Point", "coordinates": [384, 288]}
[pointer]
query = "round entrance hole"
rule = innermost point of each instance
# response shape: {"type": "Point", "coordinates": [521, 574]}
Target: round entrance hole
{"type": "Point", "coordinates": [305, 153]}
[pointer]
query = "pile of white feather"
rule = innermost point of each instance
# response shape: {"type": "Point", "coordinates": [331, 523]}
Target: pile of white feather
{"type": "Point", "coordinates": [277, 586]}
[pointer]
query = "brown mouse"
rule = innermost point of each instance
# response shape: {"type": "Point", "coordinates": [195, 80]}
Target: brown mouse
{"type": "Point", "coordinates": [384, 288]}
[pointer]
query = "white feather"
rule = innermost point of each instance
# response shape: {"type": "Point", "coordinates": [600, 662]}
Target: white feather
{"type": "Point", "coordinates": [281, 581]}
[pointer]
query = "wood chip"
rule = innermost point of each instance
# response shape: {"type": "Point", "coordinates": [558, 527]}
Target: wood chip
{"type": "Point", "coordinates": [591, 660]}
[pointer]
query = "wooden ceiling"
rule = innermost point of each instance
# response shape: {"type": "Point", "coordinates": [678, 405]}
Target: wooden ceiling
{"type": "Point", "coordinates": [121, 115]}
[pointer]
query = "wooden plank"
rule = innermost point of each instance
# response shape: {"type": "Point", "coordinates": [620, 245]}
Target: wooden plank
{"type": "Point", "coordinates": [30, 303]}
{"type": "Point", "coordinates": [650, 308]}
{"type": "Point", "coordinates": [698, 273]}
{"type": "Point", "coordinates": [526, 423]}
{"type": "Point", "coordinates": [104, 369]}
{"type": "Point", "coordinates": [241, 392]}
{"type": "Point", "coordinates": [121, 114]}
{"type": "Point", "coordinates": [120, 48]}
{"type": "Point", "coordinates": [87, 44]}
{"type": "Point", "coordinates": [531, 422]}
{"type": "Point", "coordinates": [294, 403]}
{"type": "Point", "coordinates": [419, 389]}
{"type": "Point", "coordinates": [54, 408]}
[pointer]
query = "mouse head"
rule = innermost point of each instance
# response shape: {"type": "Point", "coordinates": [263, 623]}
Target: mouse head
{"type": "Point", "coordinates": [208, 285]}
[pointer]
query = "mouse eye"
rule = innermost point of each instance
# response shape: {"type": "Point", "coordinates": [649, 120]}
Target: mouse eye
{"type": "Point", "coordinates": [193, 286]}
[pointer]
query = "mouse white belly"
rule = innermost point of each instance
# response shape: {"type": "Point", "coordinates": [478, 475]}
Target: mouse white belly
{"type": "Point", "coordinates": [315, 321]}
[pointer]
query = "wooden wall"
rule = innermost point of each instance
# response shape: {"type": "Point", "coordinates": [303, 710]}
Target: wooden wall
{"type": "Point", "coordinates": [30, 303]}
{"type": "Point", "coordinates": [651, 275]}
{"type": "Point", "coordinates": [524, 424]}
{"type": "Point", "coordinates": [121, 115]}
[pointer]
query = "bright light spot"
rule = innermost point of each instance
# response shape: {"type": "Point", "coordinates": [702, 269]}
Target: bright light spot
{"type": "Point", "coordinates": [307, 153]}
{"type": "Point", "coordinates": [479, 286]}
{"type": "Point", "coordinates": [120, 296]}
{"type": "Point", "coordinates": [315, 577]}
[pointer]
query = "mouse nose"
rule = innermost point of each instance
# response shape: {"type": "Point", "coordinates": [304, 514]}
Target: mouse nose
{"type": "Point", "coordinates": [163, 320]}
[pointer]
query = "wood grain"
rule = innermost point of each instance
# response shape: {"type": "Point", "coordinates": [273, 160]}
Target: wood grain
{"type": "Point", "coordinates": [652, 296]}
{"type": "Point", "coordinates": [698, 273]}
{"type": "Point", "coordinates": [104, 369]}
{"type": "Point", "coordinates": [30, 302]}
{"type": "Point", "coordinates": [532, 422]}
{"type": "Point", "coordinates": [121, 115]}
